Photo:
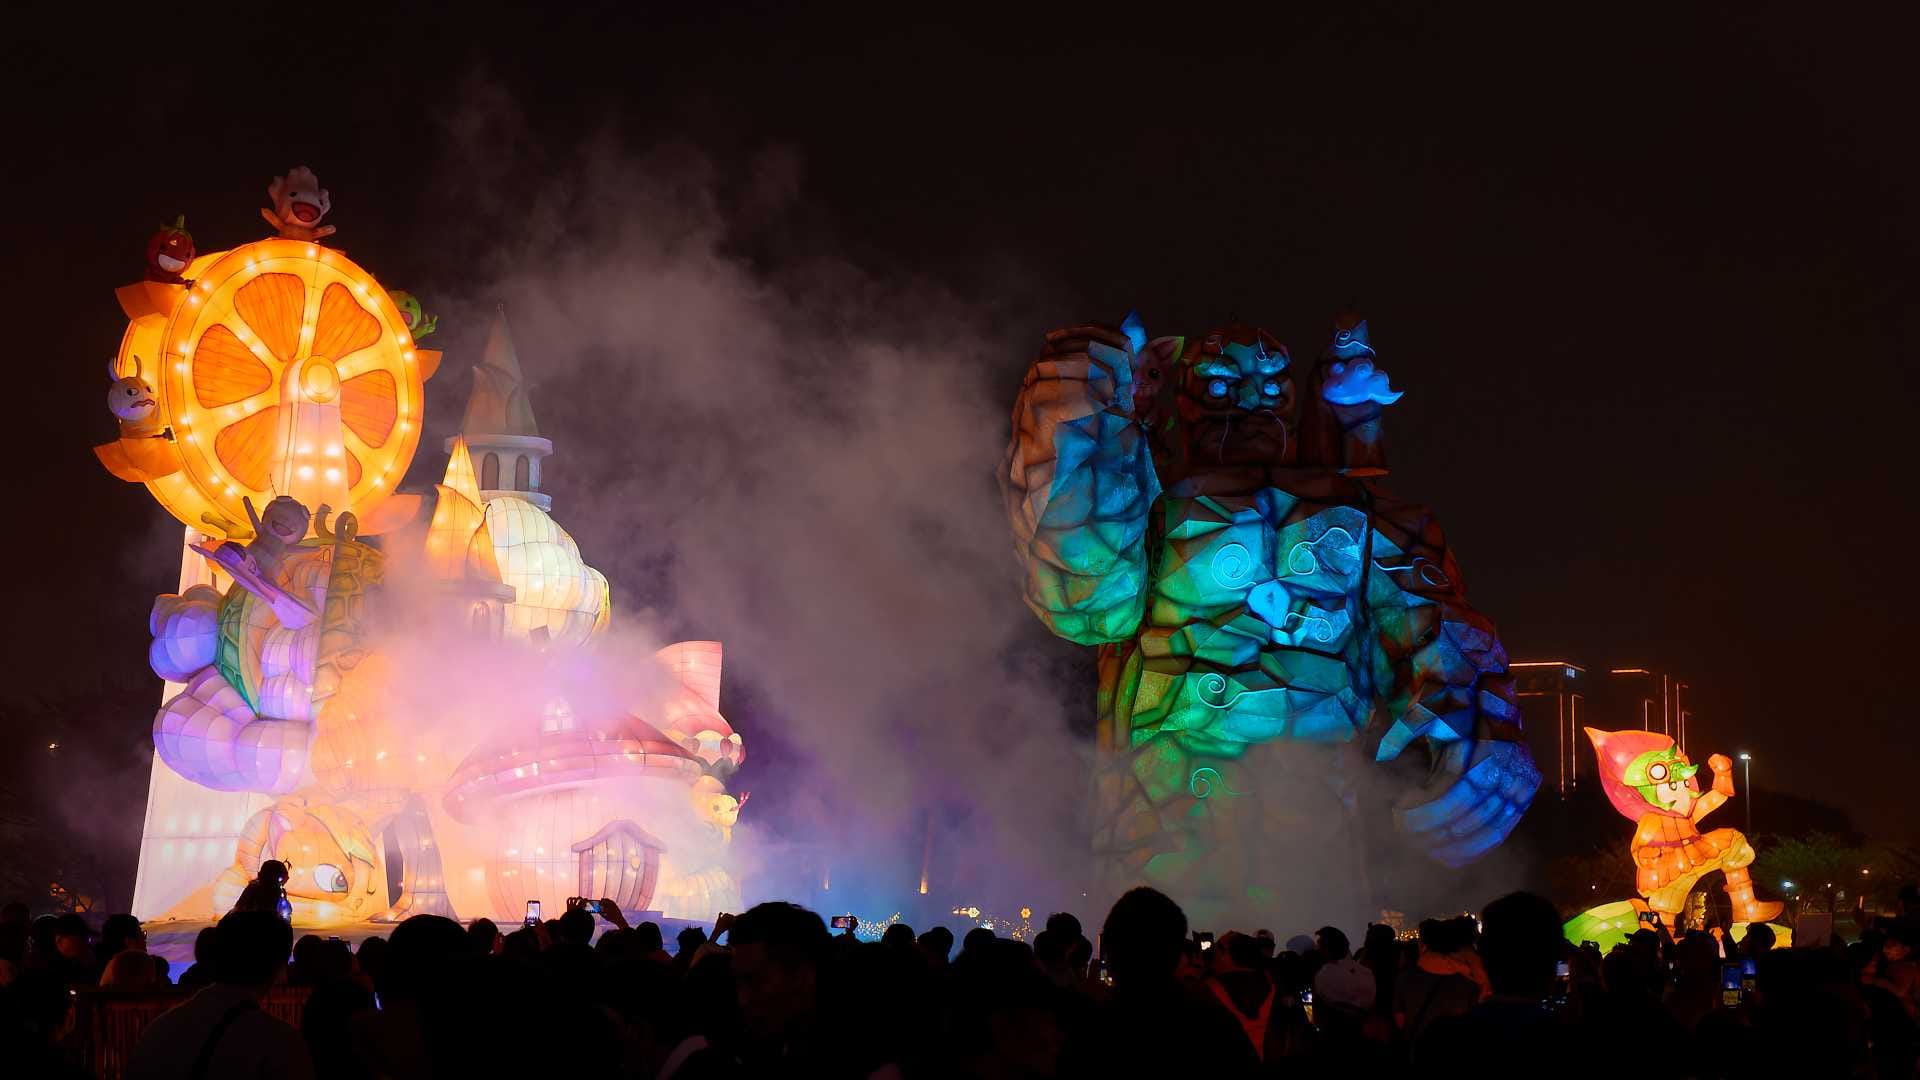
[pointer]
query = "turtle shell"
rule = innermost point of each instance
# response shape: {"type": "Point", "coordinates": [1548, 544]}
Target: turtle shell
{"type": "Point", "coordinates": [286, 673]}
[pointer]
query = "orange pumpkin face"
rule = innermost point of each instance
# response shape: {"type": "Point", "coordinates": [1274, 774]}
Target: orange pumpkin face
{"type": "Point", "coordinates": [168, 253]}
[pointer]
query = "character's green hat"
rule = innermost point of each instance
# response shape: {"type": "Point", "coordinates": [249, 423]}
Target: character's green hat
{"type": "Point", "coordinates": [1656, 767]}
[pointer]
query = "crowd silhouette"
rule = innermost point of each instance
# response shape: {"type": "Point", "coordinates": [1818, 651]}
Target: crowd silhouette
{"type": "Point", "coordinates": [774, 992]}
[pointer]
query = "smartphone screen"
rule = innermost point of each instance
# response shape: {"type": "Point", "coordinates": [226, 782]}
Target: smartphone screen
{"type": "Point", "coordinates": [844, 922]}
{"type": "Point", "coordinates": [533, 912]}
{"type": "Point", "coordinates": [593, 907]}
{"type": "Point", "coordinates": [1205, 938]}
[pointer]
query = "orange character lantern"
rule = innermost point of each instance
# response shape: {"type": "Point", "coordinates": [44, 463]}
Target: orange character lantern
{"type": "Point", "coordinates": [1650, 781]}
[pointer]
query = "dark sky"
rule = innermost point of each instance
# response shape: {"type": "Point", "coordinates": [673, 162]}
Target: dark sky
{"type": "Point", "coordinates": [1645, 274]}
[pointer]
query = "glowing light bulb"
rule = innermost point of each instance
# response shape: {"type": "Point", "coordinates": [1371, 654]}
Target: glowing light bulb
{"type": "Point", "coordinates": [306, 472]}
{"type": "Point", "coordinates": [333, 474]}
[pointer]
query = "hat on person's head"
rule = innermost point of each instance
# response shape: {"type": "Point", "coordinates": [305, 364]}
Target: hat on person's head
{"type": "Point", "coordinates": [1300, 943]}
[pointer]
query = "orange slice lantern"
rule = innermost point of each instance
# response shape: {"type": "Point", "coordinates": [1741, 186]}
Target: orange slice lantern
{"type": "Point", "coordinates": [284, 369]}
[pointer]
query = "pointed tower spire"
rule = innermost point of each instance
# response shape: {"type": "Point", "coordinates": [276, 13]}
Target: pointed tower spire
{"type": "Point", "coordinates": [499, 426]}
{"type": "Point", "coordinates": [459, 545]}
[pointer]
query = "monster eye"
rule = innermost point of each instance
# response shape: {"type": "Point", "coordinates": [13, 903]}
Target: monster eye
{"type": "Point", "coordinates": [1657, 771]}
{"type": "Point", "coordinates": [1270, 388]}
{"type": "Point", "coordinates": [1217, 388]}
{"type": "Point", "coordinates": [329, 878]}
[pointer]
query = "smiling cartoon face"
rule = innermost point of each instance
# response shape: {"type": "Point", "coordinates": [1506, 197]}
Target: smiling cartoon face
{"type": "Point", "coordinates": [169, 251]}
{"type": "Point", "coordinates": [285, 519]}
{"type": "Point", "coordinates": [306, 202]}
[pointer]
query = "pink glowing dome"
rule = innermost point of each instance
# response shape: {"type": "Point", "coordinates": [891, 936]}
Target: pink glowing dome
{"type": "Point", "coordinates": [626, 749]}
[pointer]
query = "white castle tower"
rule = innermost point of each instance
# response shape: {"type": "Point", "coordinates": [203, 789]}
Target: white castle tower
{"type": "Point", "coordinates": [556, 592]}
{"type": "Point", "coordinates": [501, 434]}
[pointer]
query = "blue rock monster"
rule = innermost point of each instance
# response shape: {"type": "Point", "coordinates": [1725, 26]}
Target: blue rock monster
{"type": "Point", "coordinates": [1285, 648]}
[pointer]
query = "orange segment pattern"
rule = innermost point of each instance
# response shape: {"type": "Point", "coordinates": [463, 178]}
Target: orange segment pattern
{"type": "Point", "coordinates": [368, 406]}
{"type": "Point", "coordinates": [273, 305]}
{"type": "Point", "coordinates": [344, 327]}
{"type": "Point", "coordinates": [246, 448]}
{"type": "Point", "coordinates": [226, 371]}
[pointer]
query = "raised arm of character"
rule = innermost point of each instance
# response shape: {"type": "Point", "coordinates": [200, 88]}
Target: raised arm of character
{"type": "Point", "coordinates": [1441, 675]}
{"type": "Point", "coordinates": [1722, 790]}
{"type": "Point", "coordinates": [1079, 482]}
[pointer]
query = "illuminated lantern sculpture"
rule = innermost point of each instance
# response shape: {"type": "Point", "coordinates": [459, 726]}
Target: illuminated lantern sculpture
{"type": "Point", "coordinates": [285, 369]}
{"type": "Point", "coordinates": [1651, 782]}
{"type": "Point", "coordinates": [271, 401]}
{"type": "Point", "coordinates": [1210, 519]}
{"type": "Point", "coordinates": [169, 252]}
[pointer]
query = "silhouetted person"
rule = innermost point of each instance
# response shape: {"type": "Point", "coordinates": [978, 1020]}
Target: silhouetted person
{"type": "Point", "coordinates": [937, 946]}
{"type": "Point", "coordinates": [431, 997]}
{"type": "Point", "coordinates": [371, 960]}
{"type": "Point", "coordinates": [779, 953]}
{"type": "Point", "coordinates": [1005, 1014]}
{"type": "Point", "coordinates": [263, 892]}
{"type": "Point", "coordinates": [36, 1009]}
{"type": "Point", "coordinates": [71, 954]}
{"type": "Point", "coordinates": [1342, 982]}
{"type": "Point", "coordinates": [221, 1030]}
{"type": "Point", "coordinates": [118, 934]}
{"type": "Point", "coordinates": [1066, 924]}
{"type": "Point", "coordinates": [1520, 943]}
{"type": "Point", "coordinates": [484, 936]}
{"type": "Point", "coordinates": [130, 970]}
{"type": "Point", "coordinates": [1153, 1025]}
{"type": "Point", "coordinates": [1758, 941]}
{"type": "Point", "coordinates": [200, 972]}
{"type": "Point", "coordinates": [649, 944]}
{"type": "Point", "coordinates": [326, 1023]}
{"type": "Point", "coordinates": [898, 937]}
{"type": "Point", "coordinates": [974, 939]}
{"type": "Point", "coordinates": [1380, 954]}
{"type": "Point", "coordinates": [1437, 986]}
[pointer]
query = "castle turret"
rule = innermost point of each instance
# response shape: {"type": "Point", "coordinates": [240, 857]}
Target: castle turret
{"type": "Point", "coordinates": [501, 434]}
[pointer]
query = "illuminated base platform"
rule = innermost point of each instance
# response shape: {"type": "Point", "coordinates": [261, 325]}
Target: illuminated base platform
{"type": "Point", "coordinates": [173, 938]}
{"type": "Point", "coordinates": [1612, 924]}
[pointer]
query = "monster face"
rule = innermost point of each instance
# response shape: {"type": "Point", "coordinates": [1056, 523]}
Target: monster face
{"type": "Point", "coordinates": [1236, 399]}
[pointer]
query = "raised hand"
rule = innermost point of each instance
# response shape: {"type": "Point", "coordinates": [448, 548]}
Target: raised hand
{"type": "Point", "coordinates": [1079, 482]}
{"type": "Point", "coordinates": [1478, 791]}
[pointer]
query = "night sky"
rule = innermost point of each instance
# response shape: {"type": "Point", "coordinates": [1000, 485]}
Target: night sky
{"type": "Point", "coordinates": [1645, 274]}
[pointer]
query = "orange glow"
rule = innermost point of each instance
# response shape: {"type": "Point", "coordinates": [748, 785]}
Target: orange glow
{"type": "Point", "coordinates": [279, 342]}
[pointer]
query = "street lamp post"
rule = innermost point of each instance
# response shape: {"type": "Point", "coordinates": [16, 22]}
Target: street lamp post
{"type": "Point", "coordinates": [1746, 784]}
